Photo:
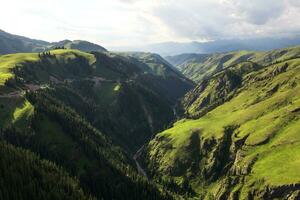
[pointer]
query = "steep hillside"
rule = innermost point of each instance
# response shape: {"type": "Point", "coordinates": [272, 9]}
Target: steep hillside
{"type": "Point", "coordinates": [243, 142]}
{"type": "Point", "coordinates": [174, 82]}
{"type": "Point", "coordinates": [87, 113]}
{"type": "Point", "coordinates": [157, 64]}
{"type": "Point", "coordinates": [201, 66]}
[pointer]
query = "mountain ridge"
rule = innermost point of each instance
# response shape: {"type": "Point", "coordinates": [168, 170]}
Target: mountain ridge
{"type": "Point", "coordinates": [10, 43]}
{"type": "Point", "coordinates": [201, 66]}
{"type": "Point", "coordinates": [218, 46]}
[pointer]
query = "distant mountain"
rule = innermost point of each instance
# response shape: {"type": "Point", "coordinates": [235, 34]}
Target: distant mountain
{"type": "Point", "coordinates": [156, 63]}
{"type": "Point", "coordinates": [79, 45]}
{"type": "Point", "coordinates": [218, 46]}
{"type": "Point", "coordinates": [171, 81]}
{"type": "Point", "coordinates": [10, 43]}
{"type": "Point", "coordinates": [110, 125]}
{"type": "Point", "coordinates": [201, 66]}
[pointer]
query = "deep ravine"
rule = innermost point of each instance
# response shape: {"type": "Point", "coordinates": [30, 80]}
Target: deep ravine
{"type": "Point", "coordinates": [139, 151]}
{"type": "Point", "coordinates": [135, 158]}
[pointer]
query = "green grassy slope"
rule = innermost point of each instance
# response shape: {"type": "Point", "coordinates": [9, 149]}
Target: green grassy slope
{"type": "Point", "coordinates": [244, 145]}
{"type": "Point", "coordinates": [8, 62]}
{"type": "Point", "coordinates": [200, 66]}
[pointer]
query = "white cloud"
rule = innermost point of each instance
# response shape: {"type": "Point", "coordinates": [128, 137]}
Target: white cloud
{"type": "Point", "coordinates": [135, 22]}
{"type": "Point", "coordinates": [221, 19]}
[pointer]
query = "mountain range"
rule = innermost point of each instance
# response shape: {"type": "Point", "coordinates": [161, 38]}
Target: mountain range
{"type": "Point", "coordinates": [10, 43]}
{"type": "Point", "coordinates": [80, 122]}
{"type": "Point", "coordinates": [217, 46]}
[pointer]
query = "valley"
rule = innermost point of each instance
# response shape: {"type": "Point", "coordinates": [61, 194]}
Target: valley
{"type": "Point", "coordinates": [80, 122]}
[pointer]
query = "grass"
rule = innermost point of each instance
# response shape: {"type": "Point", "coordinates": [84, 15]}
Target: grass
{"type": "Point", "coordinates": [279, 166]}
{"type": "Point", "coordinates": [22, 114]}
{"type": "Point", "coordinates": [117, 87]}
{"type": "Point", "coordinates": [15, 111]}
{"type": "Point", "coordinates": [66, 54]}
{"type": "Point", "coordinates": [270, 120]}
{"type": "Point", "coordinates": [8, 62]}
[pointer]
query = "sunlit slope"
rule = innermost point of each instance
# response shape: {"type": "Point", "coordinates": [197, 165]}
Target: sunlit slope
{"type": "Point", "coordinates": [248, 145]}
{"type": "Point", "coordinates": [200, 66]}
{"type": "Point", "coordinates": [10, 61]}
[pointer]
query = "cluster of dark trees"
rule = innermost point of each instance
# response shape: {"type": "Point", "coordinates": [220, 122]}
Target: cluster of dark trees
{"type": "Point", "coordinates": [60, 47]}
{"type": "Point", "coordinates": [23, 175]}
{"type": "Point", "coordinates": [103, 169]}
{"type": "Point", "coordinates": [49, 64]}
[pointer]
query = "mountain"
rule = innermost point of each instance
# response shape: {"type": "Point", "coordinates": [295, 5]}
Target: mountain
{"type": "Point", "coordinates": [238, 135]}
{"type": "Point", "coordinates": [77, 44]}
{"type": "Point", "coordinates": [218, 46]}
{"type": "Point", "coordinates": [201, 66]}
{"type": "Point", "coordinates": [130, 125]}
{"type": "Point", "coordinates": [157, 64]}
{"type": "Point", "coordinates": [10, 43]}
{"type": "Point", "coordinates": [88, 113]}
{"type": "Point", "coordinates": [14, 44]}
{"type": "Point", "coordinates": [160, 67]}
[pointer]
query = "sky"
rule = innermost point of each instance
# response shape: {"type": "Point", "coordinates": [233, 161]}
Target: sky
{"type": "Point", "coordinates": [138, 22]}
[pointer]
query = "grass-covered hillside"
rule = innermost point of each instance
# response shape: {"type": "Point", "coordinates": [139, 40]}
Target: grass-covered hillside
{"type": "Point", "coordinates": [240, 138]}
{"type": "Point", "coordinates": [88, 113]}
{"type": "Point", "coordinates": [201, 66]}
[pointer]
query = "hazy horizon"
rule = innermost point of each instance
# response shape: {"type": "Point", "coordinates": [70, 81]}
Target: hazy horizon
{"type": "Point", "coordinates": [136, 22]}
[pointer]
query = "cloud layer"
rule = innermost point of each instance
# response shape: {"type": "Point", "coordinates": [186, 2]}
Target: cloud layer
{"type": "Point", "coordinates": [221, 19]}
{"type": "Point", "coordinates": [135, 22]}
